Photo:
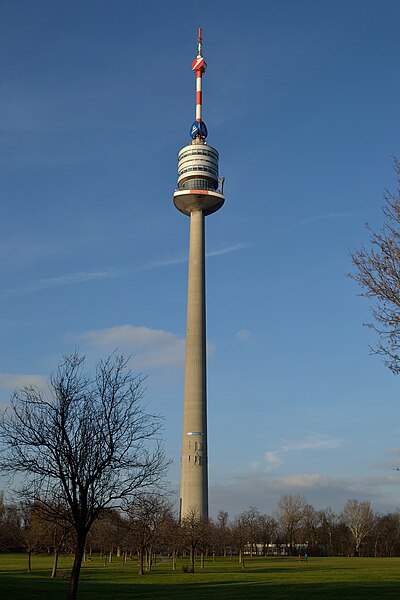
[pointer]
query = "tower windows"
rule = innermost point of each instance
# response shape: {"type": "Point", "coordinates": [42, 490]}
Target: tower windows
{"type": "Point", "coordinates": [199, 184]}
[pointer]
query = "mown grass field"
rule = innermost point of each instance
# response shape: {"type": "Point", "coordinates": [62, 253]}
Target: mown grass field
{"type": "Point", "coordinates": [270, 578]}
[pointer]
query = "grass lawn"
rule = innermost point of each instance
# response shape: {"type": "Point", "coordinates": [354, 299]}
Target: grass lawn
{"type": "Point", "coordinates": [267, 578]}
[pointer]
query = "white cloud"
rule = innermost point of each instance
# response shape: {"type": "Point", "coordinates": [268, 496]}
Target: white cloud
{"type": "Point", "coordinates": [150, 347]}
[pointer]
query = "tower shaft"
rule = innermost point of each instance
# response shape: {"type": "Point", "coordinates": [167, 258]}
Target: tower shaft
{"type": "Point", "coordinates": [194, 468]}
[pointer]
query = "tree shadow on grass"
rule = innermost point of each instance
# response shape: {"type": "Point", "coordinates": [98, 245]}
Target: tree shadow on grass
{"type": "Point", "coordinates": [38, 588]}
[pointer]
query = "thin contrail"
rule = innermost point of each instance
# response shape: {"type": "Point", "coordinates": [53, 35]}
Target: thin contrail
{"type": "Point", "coordinates": [308, 221]}
{"type": "Point", "coordinates": [44, 284]}
{"type": "Point", "coordinates": [168, 262]}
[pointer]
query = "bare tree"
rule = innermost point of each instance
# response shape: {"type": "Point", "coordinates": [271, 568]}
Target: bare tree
{"type": "Point", "coordinates": [10, 528]}
{"type": "Point", "coordinates": [108, 531]}
{"type": "Point", "coordinates": [31, 532]}
{"type": "Point", "coordinates": [205, 538]}
{"type": "Point", "coordinates": [222, 533]}
{"type": "Point", "coordinates": [252, 517]}
{"type": "Point", "coordinates": [328, 522]}
{"type": "Point", "coordinates": [359, 518]}
{"type": "Point", "coordinates": [194, 529]}
{"type": "Point", "coordinates": [171, 536]}
{"type": "Point", "coordinates": [267, 528]}
{"type": "Point", "coordinates": [386, 534]}
{"type": "Point", "coordinates": [240, 536]}
{"type": "Point", "coordinates": [377, 270]}
{"type": "Point", "coordinates": [290, 516]}
{"type": "Point", "coordinates": [146, 517]}
{"type": "Point", "coordinates": [53, 533]}
{"type": "Point", "coordinates": [310, 523]}
{"type": "Point", "coordinates": [86, 443]}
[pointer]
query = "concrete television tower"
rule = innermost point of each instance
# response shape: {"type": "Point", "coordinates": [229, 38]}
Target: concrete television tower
{"type": "Point", "coordinates": [198, 195]}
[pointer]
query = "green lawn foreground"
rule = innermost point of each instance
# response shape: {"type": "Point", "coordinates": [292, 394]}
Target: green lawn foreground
{"type": "Point", "coordinates": [271, 578]}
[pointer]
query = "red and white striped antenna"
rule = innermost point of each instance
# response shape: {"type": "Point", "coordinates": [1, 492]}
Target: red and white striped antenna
{"type": "Point", "coordinates": [199, 41]}
{"type": "Point", "coordinates": [199, 66]}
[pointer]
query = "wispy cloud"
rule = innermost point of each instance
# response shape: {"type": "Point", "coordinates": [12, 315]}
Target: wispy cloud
{"type": "Point", "coordinates": [392, 462]}
{"type": "Point", "coordinates": [228, 249]}
{"type": "Point", "coordinates": [20, 250]}
{"type": "Point", "coordinates": [62, 280]}
{"type": "Point", "coordinates": [254, 488]}
{"type": "Point", "coordinates": [150, 347]}
{"type": "Point", "coordinates": [308, 221]}
{"type": "Point", "coordinates": [11, 381]}
{"type": "Point", "coordinates": [273, 459]}
{"type": "Point", "coordinates": [312, 441]}
{"type": "Point", "coordinates": [84, 276]}
{"type": "Point", "coordinates": [243, 335]}
{"type": "Point", "coordinates": [165, 262]}
{"type": "Point", "coordinates": [308, 441]}
{"type": "Point", "coordinates": [169, 262]}
{"type": "Point", "coordinates": [307, 480]}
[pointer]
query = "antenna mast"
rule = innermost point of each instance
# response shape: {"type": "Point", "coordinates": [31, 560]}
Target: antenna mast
{"type": "Point", "coordinates": [199, 129]}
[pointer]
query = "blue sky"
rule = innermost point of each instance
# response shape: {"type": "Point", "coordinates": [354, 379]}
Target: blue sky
{"type": "Point", "coordinates": [301, 100]}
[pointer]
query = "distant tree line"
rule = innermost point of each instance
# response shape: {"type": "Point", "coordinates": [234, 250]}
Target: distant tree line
{"type": "Point", "coordinates": [148, 529]}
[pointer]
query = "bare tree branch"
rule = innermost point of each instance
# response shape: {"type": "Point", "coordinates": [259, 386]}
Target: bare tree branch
{"type": "Point", "coordinates": [377, 270]}
{"type": "Point", "coordinates": [83, 444]}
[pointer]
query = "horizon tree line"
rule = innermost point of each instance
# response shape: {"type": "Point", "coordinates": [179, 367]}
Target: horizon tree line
{"type": "Point", "coordinates": [149, 528]}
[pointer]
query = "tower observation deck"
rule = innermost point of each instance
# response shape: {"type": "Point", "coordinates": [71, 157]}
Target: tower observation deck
{"type": "Point", "coordinates": [199, 193]}
{"type": "Point", "coordinates": [198, 182]}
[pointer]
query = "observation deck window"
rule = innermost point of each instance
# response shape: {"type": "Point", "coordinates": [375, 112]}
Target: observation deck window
{"type": "Point", "coordinates": [198, 184]}
{"type": "Point", "coordinates": [198, 168]}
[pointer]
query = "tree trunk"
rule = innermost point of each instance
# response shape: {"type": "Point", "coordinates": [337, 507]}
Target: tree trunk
{"type": "Point", "coordinates": [76, 569]}
{"type": "Point", "coordinates": [357, 548]}
{"type": "Point", "coordinates": [140, 560]}
{"type": "Point", "coordinates": [29, 561]}
{"type": "Point", "coordinates": [202, 560]}
{"type": "Point", "coordinates": [55, 564]}
{"type": "Point", "coordinates": [192, 557]}
{"type": "Point", "coordinates": [174, 560]}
